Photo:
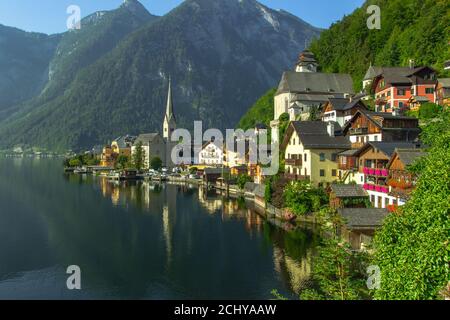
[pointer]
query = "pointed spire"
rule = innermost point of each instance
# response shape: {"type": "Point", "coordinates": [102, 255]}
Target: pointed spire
{"type": "Point", "coordinates": [169, 107]}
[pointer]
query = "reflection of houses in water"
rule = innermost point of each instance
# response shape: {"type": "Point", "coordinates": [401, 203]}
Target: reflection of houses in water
{"type": "Point", "coordinates": [296, 274]}
{"type": "Point", "coordinates": [237, 210]}
{"type": "Point", "coordinates": [209, 200]}
{"type": "Point", "coordinates": [167, 233]}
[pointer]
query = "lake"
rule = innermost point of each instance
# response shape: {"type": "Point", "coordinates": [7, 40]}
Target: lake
{"type": "Point", "coordinates": [138, 240]}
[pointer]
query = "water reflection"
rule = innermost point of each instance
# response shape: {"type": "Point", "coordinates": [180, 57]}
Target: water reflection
{"type": "Point", "coordinates": [293, 252]}
{"type": "Point", "coordinates": [138, 240]}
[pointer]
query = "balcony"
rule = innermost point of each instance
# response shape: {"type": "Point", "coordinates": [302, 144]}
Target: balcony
{"type": "Point", "coordinates": [376, 172]}
{"type": "Point", "coordinates": [296, 177]}
{"type": "Point", "coordinates": [355, 131]}
{"type": "Point", "coordinates": [376, 188]}
{"type": "Point", "coordinates": [293, 162]}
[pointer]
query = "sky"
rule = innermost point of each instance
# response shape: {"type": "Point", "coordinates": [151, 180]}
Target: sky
{"type": "Point", "coordinates": [50, 16]}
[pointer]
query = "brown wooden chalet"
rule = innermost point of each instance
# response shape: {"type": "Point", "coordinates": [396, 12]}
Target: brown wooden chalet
{"type": "Point", "coordinates": [401, 180]}
{"type": "Point", "coordinates": [366, 126]}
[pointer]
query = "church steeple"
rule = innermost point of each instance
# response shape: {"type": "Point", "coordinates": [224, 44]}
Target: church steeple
{"type": "Point", "coordinates": [169, 118]}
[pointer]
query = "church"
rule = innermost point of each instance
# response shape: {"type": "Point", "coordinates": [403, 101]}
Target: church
{"type": "Point", "coordinates": [153, 144]}
{"type": "Point", "coordinates": [304, 90]}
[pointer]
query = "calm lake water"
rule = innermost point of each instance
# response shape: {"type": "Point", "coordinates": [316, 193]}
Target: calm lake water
{"type": "Point", "coordinates": [136, 241]}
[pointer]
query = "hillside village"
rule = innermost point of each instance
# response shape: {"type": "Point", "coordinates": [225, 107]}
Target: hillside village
{"type": "Point", "coordinates": [332, 137]}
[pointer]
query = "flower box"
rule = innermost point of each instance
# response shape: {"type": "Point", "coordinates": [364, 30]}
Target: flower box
{"type": "Point", "coordinates": [366, 170]}
{"type": "Point", "coordinates": [385, 172]}
{"type": "Point", "coordinates": [371, 171]}
{"type": "Point", "coordinates": [378, 172]}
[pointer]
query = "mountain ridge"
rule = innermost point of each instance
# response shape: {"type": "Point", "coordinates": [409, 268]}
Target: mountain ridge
{"type": "Point", "coordinates": [221, 56]}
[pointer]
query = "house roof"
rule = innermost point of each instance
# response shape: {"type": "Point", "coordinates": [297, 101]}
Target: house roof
{"type": "Point", "coordinates": [314, 135]}
{"type": "Point", "coordinates": [388, 148]}
{"type": "Point", "coordinates": [407, 156]}
{"type": "Point", "coordinates": [309, 82]}
{"type": "Point", "coordinates": [348, 191]}
{"type": "Point", "coordinates": [146, 138]}
{"type": "Point", "coordinates": [398, 75]}
{"type": "Point", "coordinates": [377, 118]}
{"type": "Point", "coordinates": [363, 218]}
{"type": "Point", "coordinates": [349, 153]}
{"type": "Point", "coordinates": [338, 103]}
{"type": "Point", "coordinates": [125, 141]}
{"type": "Point", "coordinates": [373, 72]}
{"type": "Point", "coordinates": [343, 104]}
{"type": "Point", "coordinates": [444, 82]}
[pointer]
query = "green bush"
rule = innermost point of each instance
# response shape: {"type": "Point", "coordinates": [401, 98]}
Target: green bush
{"type": "Point", "coordinates": [412, 248]}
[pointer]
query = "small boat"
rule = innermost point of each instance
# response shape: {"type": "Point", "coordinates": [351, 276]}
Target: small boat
{"type": "Point", "coordinates": [81, 170]}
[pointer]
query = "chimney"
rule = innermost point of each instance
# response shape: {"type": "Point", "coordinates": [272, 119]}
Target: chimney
{"type": "Point", "coordinates": [330, 129]}
{"type": "Point", "coordinates": [411, 64]}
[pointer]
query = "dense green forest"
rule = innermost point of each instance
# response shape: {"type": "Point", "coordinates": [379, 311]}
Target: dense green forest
{"type": "Point", "coordinates": [260, 112]}
{"type": "Point", "coordinates": [410, 29]}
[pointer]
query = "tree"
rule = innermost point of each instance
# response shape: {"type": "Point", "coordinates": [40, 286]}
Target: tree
{"type": "Point", "coordinates": [156, 163]}
{"type": "Point", "coordinates": [139, 156]}
{"type": "Point", "coordinates": [122, 161]}
{"type": "Point", "coordinates": [301, 198]}
{"type": "Point", "coordinates": [75, 163]}
{"type": "Point", "coordinates": [339, 272]}
{"type": "Point", "coordinates": [242, 180]}
{"type": "Point", "coordinates": [412, 248]}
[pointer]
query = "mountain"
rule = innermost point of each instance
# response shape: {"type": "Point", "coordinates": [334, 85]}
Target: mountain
{"type": "Point", "coordinates": [221, 55]}
{"type": "Point", "coordinates": [410, 29]}
{"type": "Point", "coordinates": [99, 34]}
{"type": "Point", "coordinates": [24, 62]}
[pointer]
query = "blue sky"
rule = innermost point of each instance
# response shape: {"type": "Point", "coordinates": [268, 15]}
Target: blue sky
{"type": "Point", "coordinates": [49, 16]}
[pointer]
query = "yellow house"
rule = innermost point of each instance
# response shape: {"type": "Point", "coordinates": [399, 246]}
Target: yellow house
{"type": "Point", "coordinates": [120, 146]}
{"type": "Point", "coordinates": [311, 149]}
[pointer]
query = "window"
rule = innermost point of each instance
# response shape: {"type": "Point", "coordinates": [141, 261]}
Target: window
{"type": "Point", "coordinates": [400, 104]}
{"type": "Point", "coordinates": [322, 157]}
{"type": "Point", "coordinates": [306, 157]}
{"type": "Point", "coordinates": [334, 173]}
{"type": "Point", "coordinates": [376, 138]}
{"type": "Point", "coordinates": [401, 92]}
{"type": "Point", "coordinates": [429, 90]}
{"type": "Point", "coordinates": [333, 156]}
{"type": "Point", "coordinates": [322, 173]}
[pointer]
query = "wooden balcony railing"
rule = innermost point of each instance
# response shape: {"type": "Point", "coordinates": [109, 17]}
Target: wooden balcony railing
{"type": "Point", "coordinates": [294, 162]}
{"type": "Point", "coordinates": [359, 130]}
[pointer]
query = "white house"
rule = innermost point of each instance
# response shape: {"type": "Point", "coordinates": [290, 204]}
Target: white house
{"type": "Point", "coordinates": [211, 154]}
